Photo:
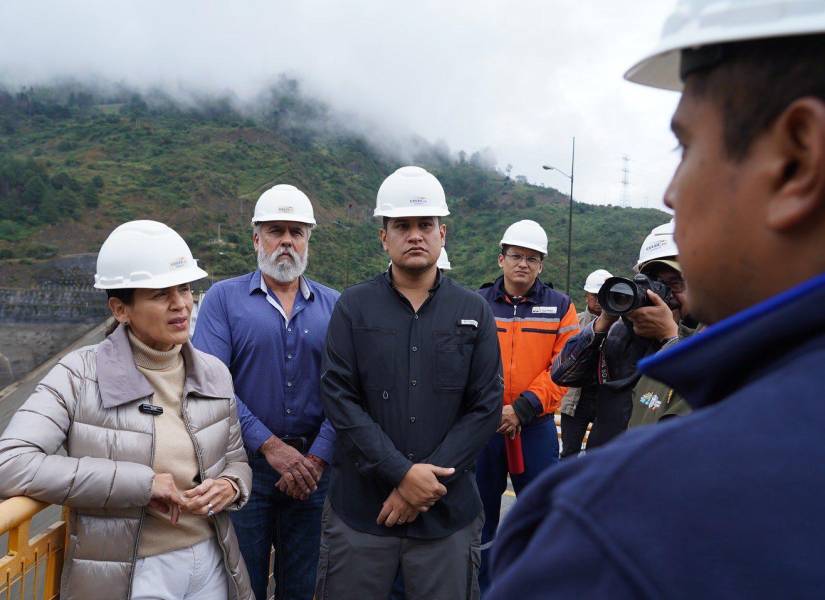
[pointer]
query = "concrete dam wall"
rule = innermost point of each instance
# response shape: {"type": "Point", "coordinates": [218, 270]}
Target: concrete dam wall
{"type": "Point", "coordinates": [52, 304]}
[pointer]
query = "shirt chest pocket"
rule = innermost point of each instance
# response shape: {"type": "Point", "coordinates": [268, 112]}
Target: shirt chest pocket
{"type": "Point", "coordinates": [376, 357]}
{"type": "Point", "coordinates": [452, 358]}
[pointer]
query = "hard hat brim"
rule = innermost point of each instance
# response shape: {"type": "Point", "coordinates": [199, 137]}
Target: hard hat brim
{"type": "Point", "coordinates": [413, 211]}
{"type": "Point", "coordinates": [658, 71]}
{"type": "Point", "coordinates": [155, 282]}
{"type": "Point", "coordinates": [673, 264]}
{"type": "Point", "coordinates": [529, 246]}
{"type": "Point", "coordinates": [660, 67]}
{"type": "Point", "coordinates": [283, 217]}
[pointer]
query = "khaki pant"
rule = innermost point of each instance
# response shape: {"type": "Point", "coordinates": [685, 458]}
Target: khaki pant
{"type": "Point", "coordinates": [355, 565]}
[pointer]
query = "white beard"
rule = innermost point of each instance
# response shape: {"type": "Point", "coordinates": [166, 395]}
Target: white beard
{"type": "Point", "coordinates": [283, 271]}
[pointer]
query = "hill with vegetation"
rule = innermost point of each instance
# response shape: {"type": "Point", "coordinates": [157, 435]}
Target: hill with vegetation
{"type": "Point", "coordinates": [74, 163]}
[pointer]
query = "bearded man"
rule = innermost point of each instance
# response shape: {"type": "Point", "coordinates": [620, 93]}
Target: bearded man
{"type": "Point", "coordinates": [269, 328]}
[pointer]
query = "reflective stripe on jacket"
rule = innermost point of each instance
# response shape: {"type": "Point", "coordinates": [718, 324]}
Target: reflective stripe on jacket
{"type": "Point", "coordinates": [531, 334]}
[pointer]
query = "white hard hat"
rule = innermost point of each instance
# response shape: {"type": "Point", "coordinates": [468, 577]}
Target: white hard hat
{"type": "Point", "coordinates": [526, 234]}
{"type": "Point", "coordinates": [696, 23]}
{"type": "Point", "coordinates": [411, 192]}
{"type": "Point", "coordinates": [443, 260]}
{"type": "Point", "coordinates": [284, 203]}
{"type": "Point", "coordinates": [145, 254]}
{"type": "Point", "coordinates": [595, 280]}
{"type": "Point", "coordinates": [659, 244]}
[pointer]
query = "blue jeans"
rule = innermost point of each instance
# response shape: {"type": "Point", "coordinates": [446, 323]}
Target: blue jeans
{"type": "Point", "coordinates": [292, 527]}
{"type": "Point", "coordinates": [540, 448]}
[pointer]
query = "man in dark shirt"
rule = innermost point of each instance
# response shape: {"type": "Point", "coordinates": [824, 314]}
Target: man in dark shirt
{"type": "Point", "coordinates": [412, 384]}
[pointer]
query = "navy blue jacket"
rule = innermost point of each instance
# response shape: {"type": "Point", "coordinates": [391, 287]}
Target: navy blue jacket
{"type": "Point", "coordinates": [531, 333]}
{"type": "Point", "coordinates": [726, 502]}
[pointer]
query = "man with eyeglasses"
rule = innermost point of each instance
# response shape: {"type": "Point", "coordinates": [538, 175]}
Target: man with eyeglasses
{"type": "Point", "coordinates": [654, 401]}
{"type": "Point", "coordinates": [608, 350]}
{"type": "Point", "coordinates": [534, 322]}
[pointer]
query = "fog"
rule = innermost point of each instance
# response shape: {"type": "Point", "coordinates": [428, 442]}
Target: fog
{"type": "Point", "coordinates": [517, 80]}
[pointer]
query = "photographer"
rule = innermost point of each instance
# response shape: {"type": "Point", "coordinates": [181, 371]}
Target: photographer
{"type": "Point", "coordinates": [578, 407]}
{"type": "Point", "coordinates": [607, 351]}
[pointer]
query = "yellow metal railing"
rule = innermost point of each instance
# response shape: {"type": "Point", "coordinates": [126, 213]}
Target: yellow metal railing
{"type": "Point", "coordinates": [32, 565]}
{"type": "Point", "coordinates": [36, 561]}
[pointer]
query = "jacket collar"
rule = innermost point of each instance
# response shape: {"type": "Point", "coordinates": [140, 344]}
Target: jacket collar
{"type": "Point", "coordinates": [120, 381]}
{"type": "Point", "coordinates": [708, 367]}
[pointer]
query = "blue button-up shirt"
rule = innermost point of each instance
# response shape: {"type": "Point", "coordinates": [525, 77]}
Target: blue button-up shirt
{"type": "Point", "coordinates": [275, 362]}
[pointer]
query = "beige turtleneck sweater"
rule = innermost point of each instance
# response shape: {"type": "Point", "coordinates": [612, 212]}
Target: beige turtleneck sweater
{"type": "Point", "coordinates": [174, 451]}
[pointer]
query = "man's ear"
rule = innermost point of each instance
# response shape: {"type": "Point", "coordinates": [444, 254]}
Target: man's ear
{"type": "Point", "coordinates": [382, 237]}
{"type": "Point", "coordinates": [255, 239]}
{"type": "Point", "coordinates": [798, 139]}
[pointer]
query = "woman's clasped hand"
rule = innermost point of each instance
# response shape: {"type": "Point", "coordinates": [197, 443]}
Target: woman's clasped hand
{"type": "Point", "coordinates": [207, 498]}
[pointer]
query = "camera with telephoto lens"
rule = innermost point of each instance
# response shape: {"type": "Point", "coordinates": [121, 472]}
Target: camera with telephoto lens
{"type": "Point", "coordinates": [619, 295]}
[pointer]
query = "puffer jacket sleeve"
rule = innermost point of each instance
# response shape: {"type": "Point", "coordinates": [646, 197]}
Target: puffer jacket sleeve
{"type": "Point", "coordinates": [237, 469]}
{"type": "Point", "coordinates": [29, 465]}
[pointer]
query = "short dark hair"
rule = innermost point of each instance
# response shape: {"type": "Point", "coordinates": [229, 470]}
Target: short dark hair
{"type": "Point", "coordinates": [386, 221]}
{"type": "Point", "coordinates": [125, 295]}
{"type": "Point", "coordinates": [754, 81]}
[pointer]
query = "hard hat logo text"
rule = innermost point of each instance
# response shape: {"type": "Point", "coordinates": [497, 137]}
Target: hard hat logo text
{"type": "Point", "coordinates": [178, 263]}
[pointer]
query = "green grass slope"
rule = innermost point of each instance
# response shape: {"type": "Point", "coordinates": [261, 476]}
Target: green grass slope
{"type": "Point", "coordinates": [74, 164]}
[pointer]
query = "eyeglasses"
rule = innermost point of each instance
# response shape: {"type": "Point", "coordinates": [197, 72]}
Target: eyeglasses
{"type": "Point", "coordinates": [676, 285]}
{"type": "Point", "coordinates": [517, 258]}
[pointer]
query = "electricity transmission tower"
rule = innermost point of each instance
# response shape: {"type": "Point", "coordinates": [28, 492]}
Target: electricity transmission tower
{"type": "Point", "coordinates": [625, 200]}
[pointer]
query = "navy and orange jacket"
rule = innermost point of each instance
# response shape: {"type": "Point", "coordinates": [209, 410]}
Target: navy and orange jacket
{"type": "Point", "coordinates": [530, 335]}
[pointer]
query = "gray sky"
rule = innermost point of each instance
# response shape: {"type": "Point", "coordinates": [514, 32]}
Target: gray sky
{"type": "Point", "coordinates": [521, 78]}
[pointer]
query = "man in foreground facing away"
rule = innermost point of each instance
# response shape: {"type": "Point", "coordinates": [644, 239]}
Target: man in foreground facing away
{"type": "Point", "coordinates": [725, 502]}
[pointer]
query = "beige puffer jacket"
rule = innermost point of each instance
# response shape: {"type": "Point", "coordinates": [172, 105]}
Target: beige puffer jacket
{"type": "Point", "coordinates": [88, 403]}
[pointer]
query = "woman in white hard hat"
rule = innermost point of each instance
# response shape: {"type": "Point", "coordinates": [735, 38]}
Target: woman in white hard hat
{"type": "Point", "coordinates": [154, 456]}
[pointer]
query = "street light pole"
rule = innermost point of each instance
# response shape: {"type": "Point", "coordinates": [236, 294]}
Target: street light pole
{"type": "Point", "coordinates": [570, 215]}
